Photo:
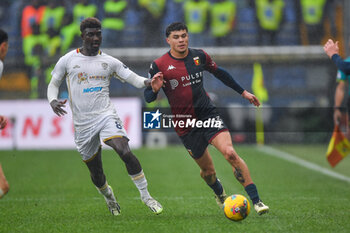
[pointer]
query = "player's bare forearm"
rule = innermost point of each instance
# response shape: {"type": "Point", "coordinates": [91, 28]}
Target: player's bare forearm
{"type": "Point", "coordinates": [251, 98]}
{"type": "Point", "coordinates": [57, 107]}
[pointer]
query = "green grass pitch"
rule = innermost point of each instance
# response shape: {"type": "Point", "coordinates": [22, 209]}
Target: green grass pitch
{"type": "Point", "coordinates": [51, 191]}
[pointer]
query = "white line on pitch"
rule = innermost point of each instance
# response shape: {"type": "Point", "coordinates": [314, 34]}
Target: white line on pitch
{"type": "Point", "coordinates": [291, 158]}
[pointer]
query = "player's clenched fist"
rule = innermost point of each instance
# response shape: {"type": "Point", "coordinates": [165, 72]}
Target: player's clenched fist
{"type": "Point", "coordinates": [3, 122]}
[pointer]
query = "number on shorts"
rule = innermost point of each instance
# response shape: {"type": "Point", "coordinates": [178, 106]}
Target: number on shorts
{"type": "Point", "coordinates": [118, 125]}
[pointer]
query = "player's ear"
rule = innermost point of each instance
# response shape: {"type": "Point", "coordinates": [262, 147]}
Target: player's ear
{"type": "Point", "coordinates": [2, 50]}
{"type": "Point", "coordinates": [167, 40]}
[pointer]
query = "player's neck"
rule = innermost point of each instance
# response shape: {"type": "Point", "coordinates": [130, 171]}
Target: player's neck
{"type": "Point", "coordinates": [89, 52]}
{"type": "Point", "coordinates": [179, 55]}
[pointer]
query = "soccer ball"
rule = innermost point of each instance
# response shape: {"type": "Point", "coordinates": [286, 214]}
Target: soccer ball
{"type": "Point", "coordinates": [236, 207]}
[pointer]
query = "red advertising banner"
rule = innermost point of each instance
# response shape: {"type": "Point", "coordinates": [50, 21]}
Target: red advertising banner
{"type": "Point", "coordinates": [33, 125]}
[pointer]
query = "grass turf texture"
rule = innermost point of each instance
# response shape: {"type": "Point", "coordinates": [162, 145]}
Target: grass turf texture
{"type": "Point", "coordinates": [51, 191]}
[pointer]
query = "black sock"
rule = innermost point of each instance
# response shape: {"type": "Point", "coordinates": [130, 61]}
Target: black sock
{"type": "Point", "coordinates": [252, 193]}
{"type": "Point", "coordinates": [216, 187]}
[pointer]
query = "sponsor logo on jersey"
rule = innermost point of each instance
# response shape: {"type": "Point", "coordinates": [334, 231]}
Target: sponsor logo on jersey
{"type": "Point", "coordinates": [76, 67]}
{"type": "Point", "coordinates": [92, 89]}
{"type": "Point", "coordinates": [104, 65]}
{"type": "Point", "coordinates": [196, 61]}
{"type": "Point", "coordinates": [173, 83]}
{"type": "Point", "coordinates": [171, 67]}
{"type": "Point", "coordinates": [192, 79]}
{"type": "Point", "coordinates": [84, 77]}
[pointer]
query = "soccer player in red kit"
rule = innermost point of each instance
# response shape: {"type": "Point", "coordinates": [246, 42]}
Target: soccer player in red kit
{"type": "Point", "coordinates": [182, 83]}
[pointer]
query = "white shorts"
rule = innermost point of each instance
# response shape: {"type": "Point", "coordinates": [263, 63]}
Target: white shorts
{"type": "Point", "coordinates": [88, 141]}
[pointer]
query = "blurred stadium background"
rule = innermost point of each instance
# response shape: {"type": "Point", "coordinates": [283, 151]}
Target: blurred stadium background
{"type": "Point", "coordinates": [299, 78]}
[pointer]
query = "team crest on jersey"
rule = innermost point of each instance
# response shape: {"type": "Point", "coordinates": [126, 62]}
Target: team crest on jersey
{"type": "Point", "coordinates": [173, 83]}
{"type": "Point", "coordinates": [83, 77]}
{"type": "Point", "coordinates": [104, 65]}
{"type": "Point", "coordinates": [196, 61]}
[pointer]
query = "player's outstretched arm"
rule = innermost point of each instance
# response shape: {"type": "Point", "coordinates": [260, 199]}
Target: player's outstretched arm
{"type": "Point", "coordinates": [332, 51]}
{"type": "Point", "coordinates": [151, 92]}
{"type": "Point", "coordinates": [57, 106]}
{"type": "Point", "coordinates": [251, 98]}
{"type": "Point", "coordinates": [228, 80]}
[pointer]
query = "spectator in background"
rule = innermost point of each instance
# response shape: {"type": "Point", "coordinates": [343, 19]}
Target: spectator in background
{"type": "Point", "coordinates": [31, 14]}
{"type": "Point", "coordinates": [223, 13]}
{"type": "Point", "coordinates": [52, 53]}
{"type": "Point", "coordinates": [331, 8]}
{"type": "Point", "coordinates": [196, 19]}
{"type": "Point", "coordinates": [311, 14]}
{"type": "Point", "coordinates": [113, 22]}
{"type": "Point", "coordinates": [34, 48]}
{"type": "Point", "coordinates": [83, 9]}
{"type": "Point", "coordinates": [269, 17]}
{"type": "Point", "coordinates": [4, 6]}
{"type": "Point", "coordinates": [53, 16]}
{"type": "Point", "coordinates": [152, 16]}
{"type": "Point", "coordinates": [70, 33]}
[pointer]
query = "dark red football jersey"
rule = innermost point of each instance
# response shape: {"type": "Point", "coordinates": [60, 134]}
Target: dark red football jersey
{"type": "Point", "coordinates": [184, 84]}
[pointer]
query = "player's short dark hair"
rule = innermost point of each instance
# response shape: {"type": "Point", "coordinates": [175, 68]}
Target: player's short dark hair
{"type": "Point", "coordinates": [90, 22]}
{"type": "Point", "coordinates": [3, 36]}
{"type": "Point", "coordinates": [177, 26]}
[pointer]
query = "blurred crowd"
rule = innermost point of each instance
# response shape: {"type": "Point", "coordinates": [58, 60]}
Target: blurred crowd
{"type": "Point", "coordinates": [43, 30]}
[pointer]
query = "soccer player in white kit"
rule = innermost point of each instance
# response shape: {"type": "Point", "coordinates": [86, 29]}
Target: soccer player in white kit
{"type": "Point", "coordinates": [88, 71]}
{"type": "Point", "coordinates": [4, 186]}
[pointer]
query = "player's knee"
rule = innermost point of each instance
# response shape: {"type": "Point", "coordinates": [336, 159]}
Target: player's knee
{"type": "Point", "coordinates": [123, 151]}
{"type": "Point", "coordinates": [230, 155]}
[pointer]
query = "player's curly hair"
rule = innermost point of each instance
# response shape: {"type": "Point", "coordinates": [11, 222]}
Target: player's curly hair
{"type": "Point", "coordinates": [90, 22]}
{"type": "Point", "coordinates": [3, 36]}
{"type": "Point", "coordinates": [177, 26]}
